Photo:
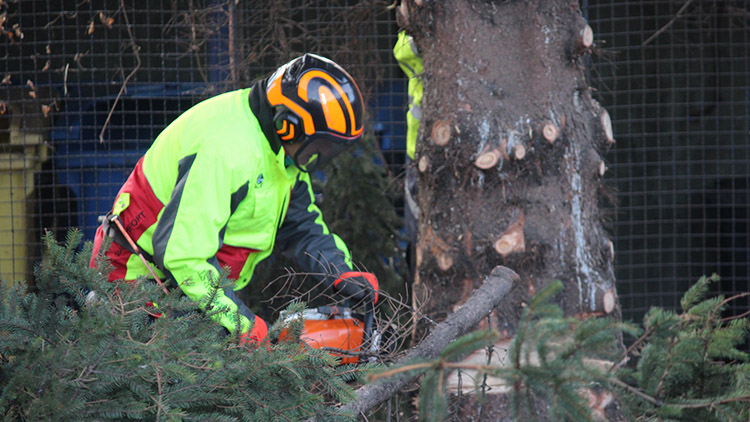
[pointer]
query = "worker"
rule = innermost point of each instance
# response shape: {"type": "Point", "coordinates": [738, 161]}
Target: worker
{"type": "Point", "coordinates": [229, 179]}
{"type": "Point", "coordinates": [407, 55]}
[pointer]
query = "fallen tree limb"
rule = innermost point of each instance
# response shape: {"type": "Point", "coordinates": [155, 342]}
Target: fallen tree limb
{"type": "Point", "coordinates": [478, 306]}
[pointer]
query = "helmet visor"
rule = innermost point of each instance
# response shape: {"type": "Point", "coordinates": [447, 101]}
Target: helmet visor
{"type": "Point", "coordinates": [317, 150]}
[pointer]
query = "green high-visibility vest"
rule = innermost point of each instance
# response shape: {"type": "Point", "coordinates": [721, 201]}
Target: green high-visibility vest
{"type": "Point", "coordinates": [407, 55]}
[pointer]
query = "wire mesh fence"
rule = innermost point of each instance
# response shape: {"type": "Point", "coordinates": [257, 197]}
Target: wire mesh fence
{"type": "Point", "coordinates": [674, 75]}
{"type": "Point", "coordinates": [87, 86]}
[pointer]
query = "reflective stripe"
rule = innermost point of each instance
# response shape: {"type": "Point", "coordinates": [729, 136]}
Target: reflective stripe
{"type": "Point", "coordinates": [238, 197]}
{"type": "Point", "coordinates": [166, 222]}
{"type": "Point", "coordinates": [244, 310]}
{"type": "Point", "coordinates": [414, 48]}
{"type": "Point", "coordinates": [233, 257]}
{"type": "Point", "coordinates": [416, 111]}
{"type": "Point", "coordinates": [306, 236]}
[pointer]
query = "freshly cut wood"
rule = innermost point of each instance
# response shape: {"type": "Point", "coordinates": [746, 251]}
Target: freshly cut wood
{"type": "Point", "coordinates": [445, 261]}
{"type": "Point", "coordinates": [423, 164]}
{"type": "Point", "coordinates": [607, 126]}
{"type": "Point", "coordinates": [519, 151]}
{"type": "Point", "coordinates": [550, 132]}
{"type": "Point", "coordinates": [512, 240]}
{"type": "Point", "coordinates": [488, 159]}
{"type": "Point", "coordinates": [585, 38]}
{"type": "Point", "coordinates": [609, 301]}
{"type": "Point", "coordinates": [441, 132]}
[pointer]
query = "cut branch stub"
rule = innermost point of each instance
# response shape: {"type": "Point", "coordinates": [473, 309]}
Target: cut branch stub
{"type": "Point", "coordinates": [439, 248]}
{"type": "Point", "coordinates": [512, 240]}
{"type": "Point", "coordinates": [444, 261]}
{"type": "Point", "coordinates": [423, 164]}
{"type": "Point", "coordinates": [585, 38]}
{"type": "Point", "coordinates": [609, 301]}
{"type": "Point", "coordinates": [488, 159]}
{"type": "Point", "coordinates": [549, 131]}
{"type": "Point", "coordinates": [605, 301]}
{"type": "Point", "coordinates": [402, 14]}
{"type": "Point", "coordinates": [513, 149]}
{"type": "Point", "coordinates": [606, 122]}
{"type": "Point", "coordinates": [441, 132]}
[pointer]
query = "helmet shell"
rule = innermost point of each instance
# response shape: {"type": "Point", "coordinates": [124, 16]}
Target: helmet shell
{"type": "Point", "coordinates": [317, 98]}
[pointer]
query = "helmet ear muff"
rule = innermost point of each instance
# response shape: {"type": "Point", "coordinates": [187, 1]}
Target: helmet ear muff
{"type": "Point", "coordinates": [288, 125]}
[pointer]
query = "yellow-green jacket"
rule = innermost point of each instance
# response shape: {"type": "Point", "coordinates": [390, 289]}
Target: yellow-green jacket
{"type": "Point", "coordinates": [407, 55]}
{"type": "Point", "coordinates": [215, 190]}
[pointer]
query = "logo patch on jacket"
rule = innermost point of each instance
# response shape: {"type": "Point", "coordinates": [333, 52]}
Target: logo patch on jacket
{"type": "Point", "coordinates": [259, 181]}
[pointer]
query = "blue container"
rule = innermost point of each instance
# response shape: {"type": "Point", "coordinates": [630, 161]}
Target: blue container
{"type": "Point", "coordinates": [94, 170]}
{"type": "Point", "coordinates": [388, 108]}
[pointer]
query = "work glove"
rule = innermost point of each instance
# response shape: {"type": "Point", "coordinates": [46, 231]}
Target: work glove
{"type": "Point", "coordinates": [357, 286]}
{"type": "Point", "coordinates": [256, 335]}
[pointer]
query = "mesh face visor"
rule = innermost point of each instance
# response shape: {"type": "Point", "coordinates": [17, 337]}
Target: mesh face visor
{"type": "Point", "coordinates": [318, 149]}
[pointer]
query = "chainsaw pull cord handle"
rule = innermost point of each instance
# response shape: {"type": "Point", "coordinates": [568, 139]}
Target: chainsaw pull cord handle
{"type": "Point", "coordinates": [116, 219]}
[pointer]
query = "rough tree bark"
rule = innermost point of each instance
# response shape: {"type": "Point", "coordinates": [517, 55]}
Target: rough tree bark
{"type": "Point", "coordinates": [509, 155]}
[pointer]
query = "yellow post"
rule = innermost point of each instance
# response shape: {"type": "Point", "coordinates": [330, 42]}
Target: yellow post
{"type": "Point", "coordinates": [22, 152]}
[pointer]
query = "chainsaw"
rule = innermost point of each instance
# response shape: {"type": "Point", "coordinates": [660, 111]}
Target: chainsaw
{"type": "Point", "coordinates": [346, 335]}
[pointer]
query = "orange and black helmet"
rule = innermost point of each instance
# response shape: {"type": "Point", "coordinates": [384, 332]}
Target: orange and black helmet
{"type": "Point", "coordinates": [318, 104]}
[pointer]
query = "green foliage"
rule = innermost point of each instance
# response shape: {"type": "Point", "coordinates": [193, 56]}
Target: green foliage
{"type": "Point", "coordinates": [689, 367]}
{"type": "Point", "coordinates": [66, 356]}
{"type": "Point", "coordinates": [467, 344]}
{"type": "Point", "coordinates": [547, 359]}
{"type": "Point", "coordinates": [550, 357]}
{"type": "Point", "coordinates": [432, 401]}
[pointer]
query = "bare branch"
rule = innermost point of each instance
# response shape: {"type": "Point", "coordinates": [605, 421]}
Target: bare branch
{"type": "Point", "coordinates": [495, 287]}
{"type": "Point", "coordinates": [136, 48]}
{"type": "Point", "coordinates": [668, 25]}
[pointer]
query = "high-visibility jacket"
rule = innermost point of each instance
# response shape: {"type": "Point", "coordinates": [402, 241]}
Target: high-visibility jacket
{"type": "Point", "coordinates": [215, 190]}
{"type": "Point", "coordinates": [407, 55]}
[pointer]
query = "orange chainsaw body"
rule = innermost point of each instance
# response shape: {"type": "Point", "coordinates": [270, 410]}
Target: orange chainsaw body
{"type": "Point", "coordinates": [332, 330]}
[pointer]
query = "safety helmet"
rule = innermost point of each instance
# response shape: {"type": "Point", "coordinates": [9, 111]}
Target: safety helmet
{"type": "Point", "coordinates": [319, 105]}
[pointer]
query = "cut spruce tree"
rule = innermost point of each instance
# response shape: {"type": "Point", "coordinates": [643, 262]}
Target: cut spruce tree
{"type": "Point", "coordinates": [83, 349]}
{"type": "Point", "coordinates": [510, 157]}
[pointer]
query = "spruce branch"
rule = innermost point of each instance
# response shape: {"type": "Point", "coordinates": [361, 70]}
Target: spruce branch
{"type": "Point", "coordinates": [635, 391]}
{"type": "Point", "coordinates": [109, 360]}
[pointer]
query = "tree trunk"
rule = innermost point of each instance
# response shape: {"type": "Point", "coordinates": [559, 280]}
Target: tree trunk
{"type": "Point", "coordinates": [509, 156]}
